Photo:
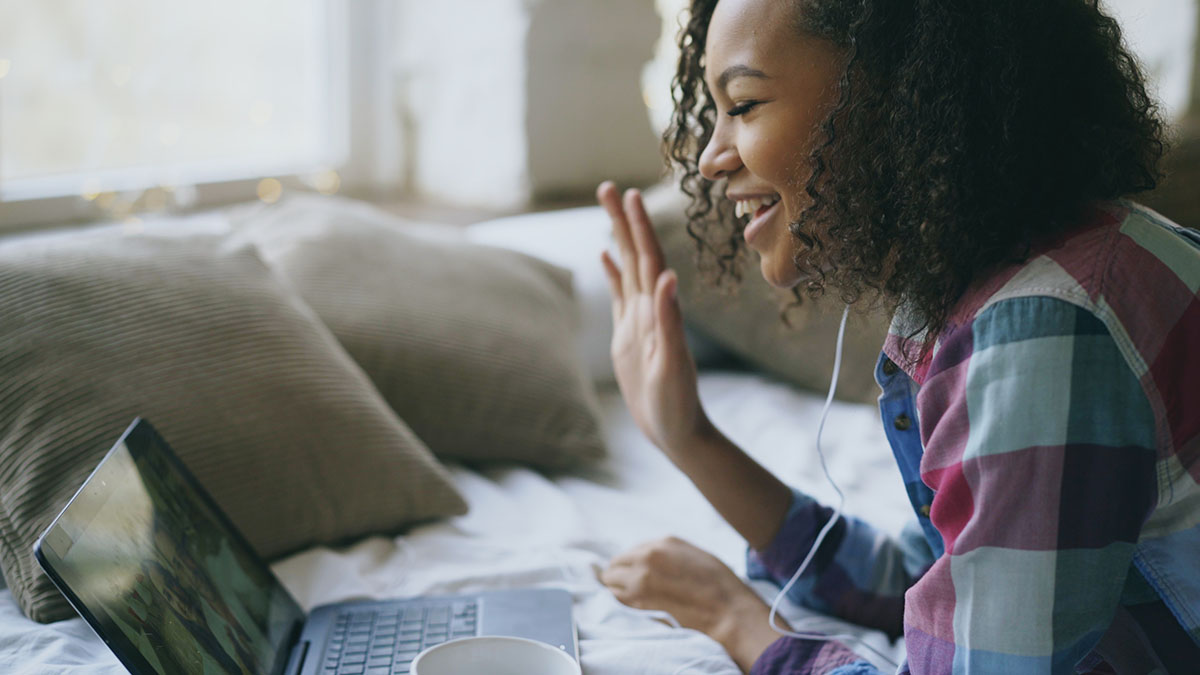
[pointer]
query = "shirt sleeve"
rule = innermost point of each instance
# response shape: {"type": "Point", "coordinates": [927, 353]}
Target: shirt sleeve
{"type": "Point", "coordinates": [859, 574]}
{"type": "Point", "coordinates": [1040, 447]}
{"type": "Point", "coordinates": [787, 655]}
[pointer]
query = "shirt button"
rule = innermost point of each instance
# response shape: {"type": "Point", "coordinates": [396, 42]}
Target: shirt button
{"type": "Point", "coordinates": [889, 368]}
{"type": "Point", "coordinates": [902, 422]}
{"type": "Point", "coordinates": [925, 510]}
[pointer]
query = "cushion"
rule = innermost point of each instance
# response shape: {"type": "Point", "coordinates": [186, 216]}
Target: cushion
{"type": "Point", "coordinates": [574, 238]}
{"type": "Point", "coordinates": [240, 377]}
{"type": "Point", "coordinates": [473, 346]}
{"type": "Point", "coordinates": [747, 320]}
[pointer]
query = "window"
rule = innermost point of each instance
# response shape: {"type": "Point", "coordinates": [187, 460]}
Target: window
{"type": "Point", "coordinates": [125, 95]}
{"type": "Point", "coordinates": [656, 77]}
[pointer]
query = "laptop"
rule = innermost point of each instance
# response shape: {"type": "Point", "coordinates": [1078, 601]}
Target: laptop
{"type": "Point", "coordinates": [148, 559]}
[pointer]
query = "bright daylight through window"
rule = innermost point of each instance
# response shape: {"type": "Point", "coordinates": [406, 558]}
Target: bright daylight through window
{"type": "Point", "coordinates": [132, 94]}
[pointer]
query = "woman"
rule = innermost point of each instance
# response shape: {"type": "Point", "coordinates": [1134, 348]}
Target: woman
{"type": "Point", "coordinates": [966, 161]}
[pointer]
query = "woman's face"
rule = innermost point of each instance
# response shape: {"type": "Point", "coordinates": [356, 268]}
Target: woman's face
{"type": "Point", "coordinates": [772, 86]}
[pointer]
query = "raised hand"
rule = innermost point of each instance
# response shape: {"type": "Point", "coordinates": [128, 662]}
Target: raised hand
{"type": "Point", "coordinates": [654, 369]}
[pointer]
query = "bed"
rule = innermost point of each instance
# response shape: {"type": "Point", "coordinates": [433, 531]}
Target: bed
{"type": "Point", "coordinates": [527, 528]}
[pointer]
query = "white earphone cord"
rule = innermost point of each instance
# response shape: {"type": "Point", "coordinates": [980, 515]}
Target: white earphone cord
{"type": "Point", "coordinates": [837, 512]}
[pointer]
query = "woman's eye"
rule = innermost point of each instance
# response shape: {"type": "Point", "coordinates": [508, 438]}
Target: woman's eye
{"type": "Point", "coordinates": [743, 108]}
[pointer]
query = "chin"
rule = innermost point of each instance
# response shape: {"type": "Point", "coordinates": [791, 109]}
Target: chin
{"type": "Point", "coordinates": [789, 278]}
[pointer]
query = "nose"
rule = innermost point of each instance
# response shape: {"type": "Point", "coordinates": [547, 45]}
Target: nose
{"type": "Point", "coordinates": [720, 157]}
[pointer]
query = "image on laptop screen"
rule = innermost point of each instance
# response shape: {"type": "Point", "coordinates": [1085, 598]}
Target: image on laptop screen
{"type": "Point", "coordinates": [153, 563]}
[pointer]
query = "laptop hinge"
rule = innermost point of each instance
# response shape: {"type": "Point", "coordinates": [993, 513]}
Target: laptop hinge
{"type": "Point", "coordinates": [296, 661]}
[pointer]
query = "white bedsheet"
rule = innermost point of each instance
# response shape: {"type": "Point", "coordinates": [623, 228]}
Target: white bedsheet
{"type": "Point", "coordinates": [528, 529]}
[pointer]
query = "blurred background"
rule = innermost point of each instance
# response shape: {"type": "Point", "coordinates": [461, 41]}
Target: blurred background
{"type": "Point", "coordinates": [454, 110]}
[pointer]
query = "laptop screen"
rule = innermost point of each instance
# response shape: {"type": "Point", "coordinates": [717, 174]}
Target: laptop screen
{"type": "Point", "coordinates": [156, 568]}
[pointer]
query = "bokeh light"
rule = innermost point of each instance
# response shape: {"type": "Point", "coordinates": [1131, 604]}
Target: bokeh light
{"type": "Point", "coordinates": [327, 182]}
{"type": "Point", "coordinates": [269, 190]}
{"type": "Point", "coordinates": [91, 189]}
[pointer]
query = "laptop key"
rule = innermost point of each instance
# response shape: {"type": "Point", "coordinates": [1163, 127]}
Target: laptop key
{"type": "Point", "coordinates": [363, 643]}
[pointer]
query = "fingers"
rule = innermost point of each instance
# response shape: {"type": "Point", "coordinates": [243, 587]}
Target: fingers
{"type": "Point", "coordinates": [618, 579]}
{"type": "Point", "coordinates": [614, 284]}
{"type": "Point", "coordinates": [622, 568]}
{"type": "Point", "coordinates": [650, 256]}
{"type": "Point", "coordinates": [641, 254]}
{"type": "Point", "coordinates": [631, 585]}
{"type": "Point", "coordinates": [642, 574]}
{"type": "Point", "coordinates": [669, 316]}
{"type": "Point", "coordinates": [608, 197]}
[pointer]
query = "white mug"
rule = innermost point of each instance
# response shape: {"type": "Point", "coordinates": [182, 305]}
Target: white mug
{"type": "Point", "coordinates": [494, 655]}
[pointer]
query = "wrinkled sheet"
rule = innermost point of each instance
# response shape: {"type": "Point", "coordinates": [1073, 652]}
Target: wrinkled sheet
{"type": "Point", "coordinates": [529, 529]}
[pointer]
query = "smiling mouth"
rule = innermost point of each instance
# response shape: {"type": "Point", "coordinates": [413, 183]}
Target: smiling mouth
{"type": "Point", "coordinates": [758, 220]}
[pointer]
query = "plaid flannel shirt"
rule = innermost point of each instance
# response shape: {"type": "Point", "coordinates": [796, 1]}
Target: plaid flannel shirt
{"type": "Point", "coordinates": [1050, 446]}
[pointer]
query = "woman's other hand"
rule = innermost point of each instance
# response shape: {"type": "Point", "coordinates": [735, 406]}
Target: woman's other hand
{"type": "Point", "coordinates": [651, 361]}
{"type": "Point", "coordinates": [696, 588]}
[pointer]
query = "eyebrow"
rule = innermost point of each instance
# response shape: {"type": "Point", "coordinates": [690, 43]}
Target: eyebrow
{"type": "Point", "coordinates": [739, 71]}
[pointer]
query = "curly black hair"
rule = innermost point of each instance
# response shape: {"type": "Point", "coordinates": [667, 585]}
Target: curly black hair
{"type": "Point", "coordinates": [963, 132]}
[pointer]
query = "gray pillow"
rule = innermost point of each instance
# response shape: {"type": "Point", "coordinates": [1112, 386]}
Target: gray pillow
{"type": "Point", "coordinates": [473, 346]}
{"type": "Point", "coordinates": [747, 321]}
{"type": "Point", "coordinates": [239, 376]}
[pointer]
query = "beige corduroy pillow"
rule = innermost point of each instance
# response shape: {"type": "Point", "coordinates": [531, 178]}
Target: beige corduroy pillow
{"type": "Point", "coordinates": [473, 346]}
{"type": "Point", "coordinates": [239, 376]}
{"type": "Point", "coordinates": [748, 323]}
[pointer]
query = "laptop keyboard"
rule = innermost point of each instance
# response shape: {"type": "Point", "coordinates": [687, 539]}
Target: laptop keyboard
{"type": "Point", "coordinates": [385, 641]}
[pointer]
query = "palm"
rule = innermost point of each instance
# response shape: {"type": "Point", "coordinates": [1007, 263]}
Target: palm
{"type": "Point", "coordinates": [654, 370]}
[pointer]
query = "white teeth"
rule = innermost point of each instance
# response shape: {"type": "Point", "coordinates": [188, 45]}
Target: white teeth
{"type": "Point", "coordinates": [748, 207]}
